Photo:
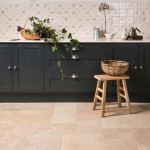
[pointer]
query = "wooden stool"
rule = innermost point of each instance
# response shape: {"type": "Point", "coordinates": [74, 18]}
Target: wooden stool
{"type": "Point", "coordinates": [103, 79]}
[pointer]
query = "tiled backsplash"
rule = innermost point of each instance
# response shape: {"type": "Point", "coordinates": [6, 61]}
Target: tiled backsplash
{"type": "Point", "coordinates": [78, 17]}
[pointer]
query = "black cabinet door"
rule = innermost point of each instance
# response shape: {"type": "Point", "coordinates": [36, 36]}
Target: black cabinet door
{"type": "Point", "coordinates": [28, 67]}
{"type": "Point", "coordinates": [5, 68]}
{"type": "Point", "coordinates": [144, 70]}
{"type": "Point", "coordinates": [126, 52]}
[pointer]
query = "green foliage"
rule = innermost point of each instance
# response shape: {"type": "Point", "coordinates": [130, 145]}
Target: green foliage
{"type": "Point", "coordinates": [47, 33]}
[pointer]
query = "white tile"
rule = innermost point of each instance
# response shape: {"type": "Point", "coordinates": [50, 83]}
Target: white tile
{"type": "Point", "coordinates": [116, 20]}
{"type": "Point", "coordinates": [123, 20]}
{"type": "Point", "coordinates": [122, 12]}
{"type": "Point", "coordinates": [129, 12]}
{"type": "Point", "coordinates": [115, 13]}
{"type": "Point", "coordinates": [129, 5]}
{"type": "Point", "coordinates": [123, 5]}
{"type": "Point", "coordinates": [137, 12]}
{"type": "Point", "coordinates": [136, 6]}
{"type": "Point", "coordinates": [129, 20]}
{"type": "Point", "coordinates": [114, 6]}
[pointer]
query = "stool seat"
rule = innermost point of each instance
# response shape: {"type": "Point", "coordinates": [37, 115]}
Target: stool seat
{"type": "Point", "coordinates": [108, 77]}
{"type": "Point", "coordinates": [122, 92]}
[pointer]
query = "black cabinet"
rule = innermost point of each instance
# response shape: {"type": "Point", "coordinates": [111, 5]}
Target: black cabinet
{"type": "Point", "coordinates": [84, 68]}
{"type": "Point", "coordinates": [138, 57]}
{"type": "Point", "coordinates": [144, 70]}
{"type": "Point", "coordinates": [5, 67]}
{"type": "Point", "coordinates": [21, 67]}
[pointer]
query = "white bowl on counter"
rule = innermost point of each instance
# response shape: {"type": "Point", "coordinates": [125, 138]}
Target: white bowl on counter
{"type": "Point", "coordinates": [109, 36]}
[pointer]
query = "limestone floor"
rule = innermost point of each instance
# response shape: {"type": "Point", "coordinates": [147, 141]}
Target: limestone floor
{"type": "Point", "coordinates": [72, 126]}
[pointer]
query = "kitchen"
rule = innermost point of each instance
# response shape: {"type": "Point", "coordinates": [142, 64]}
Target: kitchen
{"type": "Point", "coordinates": [36, 104]}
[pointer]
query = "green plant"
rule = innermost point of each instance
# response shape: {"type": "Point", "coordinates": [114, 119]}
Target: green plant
{"type": "Point", "coordinates": [47, 33]}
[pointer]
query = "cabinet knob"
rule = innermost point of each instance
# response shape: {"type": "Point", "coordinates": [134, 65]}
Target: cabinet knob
{"type": "Point", "coordinates": [15, 67]}
{"type": "Point", "coordinates": [74, 49]}
{"type": "Point", "coordinates": [74, 76]}
{"type": "Point", "coordinates": [76, 57]}
{"type": "Point", "coordinates": [136, 67]}
{"type": "Point", "coordinates": [141, 67]}
{"type": "Point", "coordinates": [9, 68]}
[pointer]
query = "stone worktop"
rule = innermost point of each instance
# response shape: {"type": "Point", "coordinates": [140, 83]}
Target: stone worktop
{"type": "Point", "coordinates": [82, 40]}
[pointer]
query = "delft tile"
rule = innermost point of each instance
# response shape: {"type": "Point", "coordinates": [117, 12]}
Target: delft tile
{"type": "Point", "coordinates": [129, 12]}
{"type": "Point", "coordinates": [136, 5]}
{"type": "Point", "coordinates": [136, 12]}
{"type": "Point", "coordinates": [129, 20]}
{"type": "Point", "coordinates": [123, 20]}
{"type": "Point", "coordinates": [129, 5]}
{"type": "Point", "coordinates": [123, 13]}
{"type": "Point", "coordinates": [122, 5]}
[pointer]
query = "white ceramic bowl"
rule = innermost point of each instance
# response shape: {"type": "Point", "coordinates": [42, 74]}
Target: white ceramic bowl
{"type": "Point", "coordinates": [109, 36]}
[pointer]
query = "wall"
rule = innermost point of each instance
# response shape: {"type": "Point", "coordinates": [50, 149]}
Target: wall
{"type": "Point", "coordinates": [79, 17]}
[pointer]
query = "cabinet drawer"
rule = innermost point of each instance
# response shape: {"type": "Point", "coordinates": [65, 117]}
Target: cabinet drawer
{"type": "Point", "coordinates": [87, 51]}
{"type": "Point", "coordinates": [69, 85]}
{"type": "Point", "coordinates": [83, 68]}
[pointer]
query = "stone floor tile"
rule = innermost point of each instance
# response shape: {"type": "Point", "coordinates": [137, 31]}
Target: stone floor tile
{"type": "Point", "coordinates": [83, 141]}
{"type": "Point", "coordinates": [89, 123]}
{"type": "Point", "coordinates": [119, 139]}
{"type": "Point", "coordinates": [64, 113]}
{"type": "Point", "coordinates": [38, 106]}
{"type": "Point", "coordinates": [64, 127]}
{"type": "Point", "coordinates": [126, 121]}
{"type": "Point", "coordinates": [43, 140]}
{"type": "Point", "coordinates": [10, 106]}
{"type": "Point", "coordinates": [142, 137]}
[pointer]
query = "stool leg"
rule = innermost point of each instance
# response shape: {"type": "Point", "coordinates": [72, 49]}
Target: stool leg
{"type": "Point", "coordinates": [96, 93]}
{"type": "Point", "coordinates": [104, 98]}
{"type": "Point", "coordinates": [118, 91]}
{"type": "Point", "coordinates": [126, 95]}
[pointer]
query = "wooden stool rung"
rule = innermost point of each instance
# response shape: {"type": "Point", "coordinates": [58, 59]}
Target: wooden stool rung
{"type": "Point", "coordinates": [100, 90]}
{"type": "Point", "coordinates": [112, 103]}
{"type": "Point", "coordinates": [100, 98]}
{"type": "Point", "coordinates": [122, 95]}
{"type": "Point", "coordinates": [115, 109]}
{"type": "Point", "coordinates": [121, 88]}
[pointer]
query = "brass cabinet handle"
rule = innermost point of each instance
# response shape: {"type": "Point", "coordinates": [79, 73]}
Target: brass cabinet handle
{"type": "Point", "coordinates": [76, 57]}
{"type": "Point", "coordinates": [74, 76]}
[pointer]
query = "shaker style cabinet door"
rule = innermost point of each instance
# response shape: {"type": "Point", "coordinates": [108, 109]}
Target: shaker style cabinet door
{"type": "Point", "coordinates": [28, 67]}
{"type": "Point", "coordinates": [126, 52]}
{"type": "Point", "coordinates": [144, 71]}
{"type": "Point", "coordinates": [5, 67]}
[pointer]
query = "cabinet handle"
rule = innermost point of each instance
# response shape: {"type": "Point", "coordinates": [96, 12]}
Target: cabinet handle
{"type": "Point", "coordinates": [136, 67]}
{"type": "Point", "coordinates": [15, 67]}
{"type": "Point", "coordinates": [9, 68]}
{"type": "Point", "coordinates": [74, 76]}
{"type": "Point", "coordinates": [74, 49]}
{"type": "Point", "coordinates": [141, 67]}
{"type": "Point", "coordinates": [76, 57]}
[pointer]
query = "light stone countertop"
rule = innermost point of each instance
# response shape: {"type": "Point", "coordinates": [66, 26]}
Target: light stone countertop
{"type": "Point", "coordinates": [81, 40]}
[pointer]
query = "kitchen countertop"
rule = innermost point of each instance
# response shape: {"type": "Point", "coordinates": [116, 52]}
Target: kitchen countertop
{"type": "Point", "coordinates": [81, 40]}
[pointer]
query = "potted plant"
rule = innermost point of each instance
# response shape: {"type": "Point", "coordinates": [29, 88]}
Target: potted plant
{"type": "Point", "coordinates": [41, 29]}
